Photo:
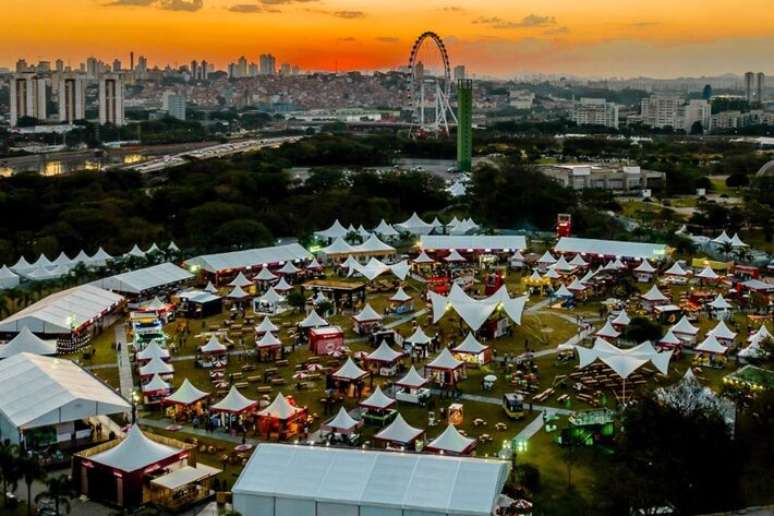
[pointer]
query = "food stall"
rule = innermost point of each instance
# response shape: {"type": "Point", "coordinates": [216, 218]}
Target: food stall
{"type": "Point", "coordinates": [399, 435]}
{"type": "Point", "coordinates": [411, 388]}
{"type": "Point", "coordinates": [155, 391]}
{"type": "Point", "coordinates": [384, 360]}
{"type": "Point", "coordinates": [186, 403]}
{"type": "Point", "coordinates": [367, 320]}
{"type": "Point", "coordinates": [233, 408]}
{"type": "Point", "coordinates": [378, 408]}
{"type": "Point", "coordinates": [348, 379]}
{"type": "Point", "coordinates": [268, 348]}
{"type": "Point", "coordinates": [212, 354]}
{"type": "Point", "coordinates": [326, 340]}
{"type": "Point", "coordinates": [452, 442]}
{"type": "Point", "coordinates": [282, 419]}
{"type": "Point", "coordinates": [445, 370]}
{"type": "Point", "coordinates": [472, 352]}
{"type": "Point", "coordinates": [341, 429]}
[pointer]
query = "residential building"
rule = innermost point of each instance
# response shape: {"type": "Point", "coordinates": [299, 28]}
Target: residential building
{"type": "Point", "coordinates": [693, 112]}
{"type": "Point", "coordinates": [174, 105]}
{"type": "Point", "coordinates": [592, 111]}
{"type": "Point", "coordinates": [519, 99]}
{"type": "Point", "coordinates": [242, 67]}
{"type": "Point", "coordinates": [91, 68]}
{"type": "Point", "coordinates": [607, 177]}
{"type": "Point", "coordinates": [662, 111]}
{"type": "Point", "coordinates": [72, 98]}
{"type": "Point", "coordinates": [268, 64]}
{"type": "Point", "coordinates": [111, 99]}
{"type": "Point", "coordinates": [116, 65]}
{"type": "Point", "coordinates": [28, 97]}
{"type": "Point", "coordinates": [749, 80]}
{"type": "Point", "coordinates": [760, 85]}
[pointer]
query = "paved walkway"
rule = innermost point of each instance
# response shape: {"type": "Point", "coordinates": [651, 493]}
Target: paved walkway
{"type": "Point", "coordinates": [188, 429]}
{"type": "Point", "coordinates": [531, 429]}
{"type": "Point", "coordinates": [124, 364]}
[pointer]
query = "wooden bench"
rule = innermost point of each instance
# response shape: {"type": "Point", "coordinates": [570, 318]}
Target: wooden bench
{"type": "Point", "coordinates": [240, 385]}
{"type": "Point", "coordinates": [254, 379]}
{"type": "Point", "coordinates": [264, 389]}
{"type": "Point", "coordinates": [281, 363]}
{"type": "Point", "coordinates": [278, 381]}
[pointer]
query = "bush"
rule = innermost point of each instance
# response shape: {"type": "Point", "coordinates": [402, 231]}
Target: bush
{"type": "Point", "coordinates": [529, 477]}
{"type": "Point", "coordinates": [641, 329]}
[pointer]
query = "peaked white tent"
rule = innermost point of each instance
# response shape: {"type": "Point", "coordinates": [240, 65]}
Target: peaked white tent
{"type": "Point", "coordinates": [684, 327]}
{"type": "Point", "coordinates": [151, 351]}
{"type": "Point", "coordinates": [547, 259]}
{"type": "Point", "coordinates": [445, 360]}
{"type": "Point", "coordinates": [342, 422]}
{"type": "Point", "coordinates": [237, 293]}
{"type": "Point", "coordinates": [313, 320]}
{"type": "Point", "coordinates": [213, 346]}
{"type": "Point", "coordinates": [385, 230]}
{"type": "Point", "coordinates": [415, 225]}
{"type": "Point", "coordinates": [654, 295]}
{"type": "Point", "coordinates": [288, 268]}
{"type": "Point", "coordinates": [339, 247]}
{"type": "Point", "coordinates": [268, 340]}
{"type": "Point", "coordinates": [722, 332]}
{"type": "Point", "coordinates": [737, 242]}
{"type": "Point", "coordinates": [455, 257]}
{"type": "Point", "coordinates": [419, 337]}
{"type": "Point", "coordinates": [280, 408]}
{"type": "Point", "coordinates": [349, 371]}
{"type": "Point", "coordinates": [373, 246]}
{"type": "Point", "coordinates": [578, 261]}
{"type": "Point", "coordinates": [676, 270]}
{"type": "Point", "coordinates": [27, 342]}
{"type": "Point", "coordinates": [157, 366]}
{"type": "Point", "coordinates": [412, 379]}
{"type": "Point", "coordinates": [708, 274]}
{"type": "Point", "coordinates": [234, 402]}
{"type": "Point", "coordinates": [399, 432]}
{"type": "Point", "coordinates": [400, 296]}
{"type": "Point", "coordinates": [240, 281]}
{"type": "Point", "coordinates": [670, 339]}
{"type": "Point", "coordinates": [645, 267]}
{"type": "Point", "coordinates": [135, 252]}
{"type": "Point", "coordinates": [607, 331]}
{"type": "Point", "coordinates": [722, 238]}
{"type": "Point", "coordinates": [266, 326]}
{"type": "Point", "coordinates": [186, 394]}
{"type": "Point", "coordinates": [336, 230]}
{"type": "Point", "coordinates": [720, 303]}
{"type": "Point", "coordinates": [8, 278]}
{"type": "Point", "coordinates": [563, 291]}
{"type": "Point", "coordinates": [452, 441]}
{"type": "Point", "coordinates": [476, 311]}
{"type": "Point", "coordinates": [282, 285]}
{"type": "Point", "coordinates": [711, 345]}
{"type": "Point", "coordinates": [423, 258]}
{"type": "Point", "coordinates": [470, 345]}
{"type": "Point", "coordinates": [384, 353]}
{"type": "Point", "coordinates": [135, 451]}
{"type": "Point", "coordinates": [157, 384]}
{"type": "Point", "coordinates": [367, 314]}
{"type": "Point", "coordinates": [265, 275]}
{"type": "Point", "coordinates": [622, 319]}
{"type": "Point", "coordinates": [378, 400]}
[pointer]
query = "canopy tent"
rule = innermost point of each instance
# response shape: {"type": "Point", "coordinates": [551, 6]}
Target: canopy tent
{"type": "Point", "coordinates": [268, 340]}
{"type": "Point", "coordinates": [476, 311]}
{"type": "Point", "coordinates": [373, 246]}
{"type": "Point", "coordinates": [455, 257]}
{"type": "Point", "coordinates": [213, 346]}
{"type": "Point", "coordinates": [760, 334]}
{"type": "Point", "coordinates": [737, 242]}
{"type": "Point", "coordinates": [210, 288]}
{"type": "Point", "coordinates": [722, 238]}
{"type": "Point", "coordinates": [152, 249]}
{"type": "Point", "coordinates": [624, 361]}
{"type": "Point", "coordinates": [561, 265]}
{"type": "Point", "coordinates": [234, 403]}
{"type": "Point", "coordinates": [339, 247]}
{"type": "Point", "coordinates": [399, 432]}
{"type": "Point", "coordinates": [563, 291]}
{"type": "Point", "coordinates": [400, 296]}
{"type": "Point", "coordinates": [471, 243]}
{"type": "Point", "coordinates": [622, 319]}
{"type": "Point", "coordinates": [552, 274]}
{"type": "Point", "coordinates": [282, 285]}
{"type": "Point", "coordinates": [607, 331]}
{"type": "Point", "coordinates": [349, 372]}
{"type": "Point", "coordinates": [237, 293]}
{"type": "Point", "coordinates": [684, 327]}
{"type": "Point", "coordinates": [578, 261]}
{"type": "Point", "coordinates": [377, 483]}
{"type": "Point", "coordinates": [630, 250]}
{"type": "Point", "coordinates": [457, 189]}
{"type": "Point", "coordinates": [240, 281]}
{"type": "Point", "coordinates": [21, 266]}
{"type": "Point", "coordinates": [272, 298]}
{"type": "Point", "coordinates": [445, 361]}
{"type": "Point", "coordinates": [722, 332]}
{"type": "Point", "coordinates": [423, 259]}
{"type": "Point", "coordinates": [261, 257]}
{"type": "Point", "coordinates": [414, 225]}
{"type": "Point", "coordinates": [312, 320]}
{"type": "Point", "coordinates": [46, 273]}
{"type": "Point", "coordinates": [314, 265]}
{"type": "Point", "coordinates": [27, 342]}
{"type": "Point", "coordinates": [367, 314]}
{"type": "Point", "coordinates": [135, 451]}
{"type": "Point", "coordinates": [645, 267]}
{"type": "Point", "coordinates": [63, 260]}
{"type": "Point", "coordinates": [451, 441]}
{"type": "Point", "coordinates": [41, 391]}
{"type": "Point", "coordinates": [100, 258]}
{"type": "Point", "coordinates": [141, 280]}
{"type": "Point", "coordinates": [676, 270]}
{"type": "Point", "coordinates": [134, 252]}
{"type": "Point", "coordinates": [719, 303]}
{"type": "Point", "coordinates": [711, 345]}
{"type": "Point", "coordinates": [336, 230]}
{"type": "Point", "coordinates": [186, 394]}
{"type": "Point", "coordinates": [708, 274]}
{"type": "Point", "coordinates": [375, 268]}
{"type": "Point", "coordinates": [156, 366]}
{"type": "Point", "coordinates": [42, 261]}
{"type": "Point", "coordinates": [670, 339]}
{"type": "Point", "coordinates": [63, 312]}
{"type": "Point", "coordinates": [471, 347]}
{"type": "Point", "coordinates": [265, 275]}
{"type": "Point", "coordinates": [8, 278]}
{"type": "Point", "coordinates": [151, 351]}
{"type": "Point", "coordinates": [288, 268]}
{"type": "Point", "coordinates": [385, 230]}
{"type": "Point", "coordinates": [157, 384]}
{"type": "Point", "coordinates": [547, 259]}
{"type": "Point", "coordinates": [266, 326]}
{"type": "Point", "coordinates": [384, 353]}
{"type": "Point", "coordinates": [280, 409]}
{"type": "Point", "coordinates": [465, 227]}
{"type": "Point", "coordinates": [378, 400]}
{"type": "Point", "coordinates": [654, 295]}
{"type": "Point", "coordinates": [419, 337]}
{"type": "Point", "coordinates": [342, 423]}
{"type": "Point", "coordinates": [412, 379]}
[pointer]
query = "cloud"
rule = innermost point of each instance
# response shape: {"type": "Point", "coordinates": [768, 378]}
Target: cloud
{"type": "Point", "coordinates": [181, 5]}
{"type": "Point", "coordinates": [349, 15]}
{"type": "Point", "coordinates": [251, 8]}
{"type": "Point", "coordinates": [388, 39]}
{"type": "Point", "coordinates": [453, 9]}
{"type": "Point", "coordinates": [557, 30]}
{"type": "Point", "coordinates": [531, 20]}
{"type": "Point", "coordinates": [140, 3]}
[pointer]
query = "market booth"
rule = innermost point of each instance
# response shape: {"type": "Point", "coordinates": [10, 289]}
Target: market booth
{"type": "Point", "coordinates": [348, 379]}
{"type": "Point", "coordinates": [155, 391]}
{"type": "Point", "coordinates": [445, 370]}
{"type": "Point", "coordinates": [198, 304]}
{"type": "Point", "coordinates": [452, 442]}
{"type": "Point", "coordinates": [233, 407]}
{"type": "Point", "coordinates": [367, 320]}
{"type": "Point", "coordinates": [342, 294]}
{"type": "Point", "coordinates": [186, 402]}
{"type": "Point", "coordinates": [281, 420]}
{"type": "Point", "coordinates": [268, 348]}
{"type": "Point", "coordinates": [411, 388]}
{"type": "Point", "coordinates": [400, 435]}
{"type": "Point", "coordinates": [156, 366]}
{"type": "Point", "coordinates": [212, 354]}
{"type": "Point", "coordinates": [264, 327]}
{"type": "Point", "coordinates": [417, 343]}
{"type": "Point", "coordinates": [401, 302]}
{"type": "Point", "coordinates": [326, 340]}
{"type": "Point", "coordinates": [472, 352]}
{"type": "Point", "coordinates": [121, 471]}
{"type": "Point", "coordinates": [383, 360]}
{"type": "Point", "coordinates": [653, 298]}
{"type": "Point", "coordinates": [342, 428]}
{"type": "Point", "coordinates": [378, 408]}
{"type": "Point", "coordinates": [152, 351]}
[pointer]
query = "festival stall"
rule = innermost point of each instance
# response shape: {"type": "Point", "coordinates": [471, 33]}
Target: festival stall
{"type": "Point", "coordinates": [282, 419]}
{"type": "Point", "coordinates": [399, 435]}
{"type": "Point", "coordinates": [326, 340]}
{"type": "Point", "coordinates": [186, 402]}
{"type": "Point", "coordinates": [264, 327]}
{"type": "Point", "coordinates": [155, 390]}
{"type": "Point", "coordinates": [212, 354]}
{"type": "Point", "coordinates": [411, 388]}
{"type": "Point", "coordinates": [685, 331]}
{"type": "Point", "coordinates": [417, 343]}
{"type": "Point", "coordinates": [233, 408]}
{"type": "Point", "coordinates": [348, 379]}
{"type": "Point", "coordinates": [367, 320]}
{"type": "Point", "coordinates": [451, 442]}
{"type": "Point", "coordinates": [644, 272]}
{"type": "Point", "coordinates": [445, 370]}
{"type": "Point", "coordinates": [472, 352]}
{"type": "Point", "coordinates": [156, 366]}
{"type": "Point", "coordinates": [341, 429]}
{"type": "Point", "coordinates": [653, 298]}
{"type": "Point", "coordinates": [270, 302]}
{"type": "Point", "coordinates": [384, 360]}
{"type": "Point", "coordinates": [378, 408]}
{"type": "Point", "coordinates": [401, 303]}
{"type": "Point", "coordinates": [268, 347]}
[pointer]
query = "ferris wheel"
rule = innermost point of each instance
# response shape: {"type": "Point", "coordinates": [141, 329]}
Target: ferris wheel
{"type": "Point", "coordinates": [439, 94]}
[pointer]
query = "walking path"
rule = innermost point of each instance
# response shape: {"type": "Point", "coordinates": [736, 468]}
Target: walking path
{"type": "Point", "coordinates": [124, 365]}
{"type": "Point", "coordinates": [531, 429]}
{"type": "Point", "coordinates": [188, 429]}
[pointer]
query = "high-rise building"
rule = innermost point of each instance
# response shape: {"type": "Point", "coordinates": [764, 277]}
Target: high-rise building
{"type": "Point", "coordinates": [195, 70]}
{"type": "Point", "coordinates": [142, 66]}
{"type": "Point", "coordinates": [459, 72]}
{"type": "Point", "coordinates": [268, 64]}
{"type": "Point", "coordinates": [174, 105]}
{"type": "Point", "coordinates": [205, 73]}
{"type": "Point", "coordinates": [131, 61]}
{"type": "Point", "coordinates": [59, 66]}
{"type": "Point", "coordinates": [464, 125]}
{"type": "Point", "coordinates": [419, 70]}
{"type": "Point", "coordinates": [43, 67]}
{"type": "Point", "coordinates": [72, 98]}
{"type": "Point", "coordinates": [92, 68]}
{"type": "Point", "coordinates": [660, 111]}
{"type": "Point", "coordinates": [760, 85]}
{"type": "Point", "coordinates": [111, 99]}
{"type": "Point", "coordinates": [242, 67]}
{"type": "Point", "coordinates": [591, 111]}
{"type": "Point", "coordinates": [252, 70]}
{"type": "Point", "coordinates": [22, 66]}
{"type": "Point", "coordinates": [233, 71]}
{"type": "Point", "coordinates": [706, 93]}
{"type": "Point", "coordinates": [285, 69]}
{"type": "Point", "coordinates": [749, 79]}
{"type": "Point", "coordinates": [116, 65]}
{"type": "Point", "coordinates": [28, 97]}
{"type": "Point", "coordinates": [693, 112]}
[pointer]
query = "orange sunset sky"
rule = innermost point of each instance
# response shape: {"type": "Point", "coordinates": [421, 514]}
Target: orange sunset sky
{"type": "Point", "coordinates": [659, 38]}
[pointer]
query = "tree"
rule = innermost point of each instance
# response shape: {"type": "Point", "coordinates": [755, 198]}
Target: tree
{"type": "Point", "coordinates": [296, 300]}
{"type": "Point", "coordinates": [31, 470]}
{"type": "Point", "coordinates": [59, 491]}
{"type": "Point", "coordinates": [9, 467]}
{"type": "Point", "coordinates": [641, 329]}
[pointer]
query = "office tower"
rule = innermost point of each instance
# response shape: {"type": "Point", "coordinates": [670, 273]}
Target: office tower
{"type": "Point", "coordinates": [591, 111]}
{"type": "Point", "coordinates": [253, 70]}
{"type": "Point", "coordinates": [174, 104]}
{"type": "Point", "coordinates": [21, 66]}
{"type": "Point", "coordinates": [760, 85]}
{"type": "Point", "coordinates": [142, 66]}
{"type": "Point", "coordinates": [116, 65]}
{"type": "Point", "coordinates": [91, 68]}
{"type": "Point", "coordinates": [72, 98]}
{"type": "Point", "coordinates": [242, 67]}
{"type": "Point", "coordinates": [233, 71]}
{"type": "Point", "coordinates": [695, 111]}
{"type": "Point", "coordinates": [195, 73]}
{"type": "Point", "coordinates": [59, 66]}
{"type": "Point", "coordinates": [131, 61]}
{"type": "Point", "coordinates": [464, 125]}
{"type": "Point", "coordinates": [285, 69]}
{"type": "Point", "coordinates": [205, 70]}
{"type": "Point", "coordinates": [419, 70]}
{"type": "Point", "coordinates": [268, 64]}
{"type": "Point", "coordinates": [459, 72]}
{"type": "Point", "coordinates": [111, 99]}
{"type": "Point", "coordinates": [660, 111]}
{"type": "Point", "coordinates": [28, 97]}
{"type": "Point", "coordinates": [749, 79]}
{"type": "Point", "coordinates": [295, 69]}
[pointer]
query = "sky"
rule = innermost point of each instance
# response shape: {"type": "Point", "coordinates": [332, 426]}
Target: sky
{"type": "Point", "coordinates": [596, 38]}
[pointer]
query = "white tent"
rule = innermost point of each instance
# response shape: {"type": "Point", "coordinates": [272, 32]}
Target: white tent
{"type": "Point", "coordinates": [373, 246]}
{"type": "Point", "coordinates": [385, 230]}
{"type": "Point", "coordinates": [670, 339]}
{"type": "Point", "coordinates": [63, 260]}
{"type": "Point", "coordinates": [470, 345]}
{"type": "Point", "coordinates": [8, 279]}
{"type": "Point", "coordinates": [676, 270]}
{"type": "Point", "coordinates": [280, 408]}
{"type": "Point", "coordinates": [737, 242]}
{"type": "Point", "coordinates": [578, 261]}
{"type": "Point", "coordinates": [266, 326]}
{"type": "Point", "coordinates": [27, 342]}
{"type": "Point", "coordinates": [240, 281]}
{"type": "Point", "coordinates": [21, 266]}
{"type": "Point", "coordinates": [157, 366]}
{"type": "Point", "coordinates": [384, 353]}
{"type": "Point", "coordinates": [399, 431]}
{"type": "Point", "coordinates": [237, 293]}
{"type": "Point", "coordinates": [135, 252]}
{"type": "Point", "coordinates": [719, 303]}
{"type": "Point", "coordinates": [708, 274]}
{"type": "Point", "coordinates": [476, 311]}
{"type": "Point", "coordinates": [313, 320]}
{"type": "Point", "coordinates": [608, 331]}
{"type": "Point", "coordinates": [563, 291]}
{"type": "Point", "coordinates": [622, 319]}
{"type": "Point", "coordinates": [378, 400]}
{"type": "Point", "coordinates": [213, 346]}
{"type": "Point", "coordinates": [547, 259]}
{"type": "Point", "coordinates": [155, 385]}
{"type": "Point", "coordinates": [186, 394]}
{"type": "Point", "coordinates": [415, 226]}
{"type": "Point", "coordinates": [336, 230]}
{"type": "Point", "coordinates": [251, 258]}
{"type": "Point", "coordinates": [268, 340]}
{"type": "Point", "coordinates": [455, 257]}
{"type": "Point", "coordinates": [272, 297]}
{"type": "Point", "coordinates": [418, 337]}
{"type": "Point", "coordinates": [135, 451]}
{"type": "Point", "coordinates": [760, 334]}
{"type": "Point", "coordinates": [210, 288]}
{"type": "Point", "coordinates": [42, 261]}
{"type": "Point", "coordinates": [338, 247]}
{"type": "Point", "coordinates": [282, 285]}
{"type": "Point", "coordinates": [722, 238]}
{"type": "Point", "coordinates": [265, 275]}
{"type": "Point", "coordinates": [368, 314]}
{"type": "Point", "coordinates": [451, 441]}
{"type": "Point", "coordinates": [100, 258]}
{"type": "Point", "coordinates": [445, 360]}
{"type": "Point", "coordinates": [684, 327]}
{"type": "Point", "coordinates": [412, 379]}
{"type": "Point", "coordinates": [349, 371]}
{"type": "Point", "coordinates": [624, 361]}
{"type": "Point", "coordinates": [722, 332]}
{"type": "Point", "coordinates": [423, 258]}
{"type": "Point", "coordinates": [147, 278]}
{"type": "Point", "coordinates": [151, 351]}
{"type": "Point", "coordinates": [654, 295]}
{"type": "Point", "coordinates": [314, 265]}
{"type": "Point", "coordinates": [400, 296]}
{"type": "Point", "coordinates": [41, 391]}
{"type": "Point", "coordinates": [552, 274]}
{"type": "Point", "coordinates": [342, 422]}
{"type": "Point", "coordinates": [173, 247]}
{"type": "Point", "coordinates": [234, 402]}
{"type": "Point", "coordinates": [645, 267]}
{"type": "Point", "coordinates": [288, 268]}
{"type": "Point", "coordinates": [711, 345]}
{"type": "Point", "coordinates": [562, 265]}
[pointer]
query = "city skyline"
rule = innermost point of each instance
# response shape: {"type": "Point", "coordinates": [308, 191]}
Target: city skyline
{"type": "Point", "coordinates": [599, 38]}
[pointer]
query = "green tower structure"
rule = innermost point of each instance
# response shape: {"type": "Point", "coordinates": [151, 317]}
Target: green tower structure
{"type": "Point", "coordinates": [464, 125]}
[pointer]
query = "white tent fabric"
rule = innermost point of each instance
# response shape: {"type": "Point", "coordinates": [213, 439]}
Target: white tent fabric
{"type": "Point", "coordinates": [234, 401]}
{"type": "Point", "coordinates": [476, 311]}
{"type": "Point", "coordinates": [155, 385]}
{"type": "Point", "coordinates": [645, 267]}
{"type": "Point", "coordinates": [624, 361]}
{"type": "Point", "coordinates": [470, 345]}
{"type": "Point", "coordinates": [457, 189]}
{"type": "Point", "coordinates": [8, 278]}
{"type": "Point", "coordinates": [337, 248]}
{"type": "Point", "coordinates": [375, 268]}
{"type": "Point", "coordinates": [266, 326]}
{"type": "Point", "coordinates": [46, 273]}
{"type": "Point", "coordinates": [134, 252]}
{"type": "Point", "coordinates": [414, 225]}
{"type": "Point", "coordinates": [412, 379]}
{"type": "Point", "coordinates": [400, 296]}
{"type": "Point", "coordinates": [237, 293]}
{"type": "Point", "coordinates": [63, 260]}
{"type": "Point", "coordinates": [385, 230]}
{"type": "Point", "coordinates": [455, 257]}
{"type": "Point", "coordinates": [265, 275]}
{"type": "Point", "coordinates": [27, 342]}
{"type": "Point", "coordinates": [399, 431]}
{"type": "Point", "coordinates": [60, 312]}
{"type": "Point", "coordinates": [349, 371]}
{"type": "Point", "coordinates": [753, 350]}
{"type": "Point", "coordinates": [622, 319]}
{"type": "Point", "coordinates": [272, 297]}
{"type": "Point", "coordinates": [342, 421]}
{"type": "Point", "coordinates": [737, 242]}
{"type": "Point", "coordinates": [721, 331]}
{"type": "Point", "coordinates": [562, 265]}
{"type": "Point", "coordinates": [708, 273]}
{"type": "Point", "coordinates": [685, 327]}
{"type": "Point", "coordinates": [288, 268]}
{"type": "Point", "coordinates": [186, 394]}
{"type": "Point", "coordinates": [676, 270]}
{"type": "Point", "coordinates": [151, 351]}
{"type": "Point", "coordinates": [156, 366]}
{"type": "Point", "coordinates": [720, 303]}
{"type": "Point", "coordinates": [654, 295]}
{"type": "Point", "coordinates": [313, 265]}
{"type": "Point", "coordinates": [384, 353]}
{"type": "Point", "coordinates": [418, 337]}
{"type": "Point", "coordinates": [173, 247]}
{"type": "Point", "coordinates": [547, 258]}
{"type": "Point", "coordinates": [135, 451]}
{"type": "Point", "coordinates": [632, 250]}
{"type": "Point", "coordinates": [552, 274]}
{"type": "Point", "coordinates": [21, 266]}
{"type": "Point", "coordinates": [140, 280]}
{"type": "Point", "coordinates": [451, 441]}
{"type": "Point", "coordinates": [100, 258]}
{"type": "Point", "coordinates": [563, 291]}
{"type": "Point", "coordinates": [336, 230]}
{"type": "Point", "coordinates": [282, 285]}
{"type": "Point", "coordinates": [445, 360]}
{"type": "Point", "coordinates": [240, 281]}
{"type": "Point", "coordinates": [711, 345]}
{"type": "Point", "coordinates": [153, 249]}
{"type": "Point", "coordinates": [378, 400]}
{"type": "Point", "coordinates": [760, 334]}
{"type": "Point", "coordinates": [213, 346]}
{"type": "Point", "coordinates": [373, 246]}
{"type": "Point", "coordinates": [670, 339]}
{"type": "Point", "coordinates": [608, 331]}
{"type": "Point", "coordinates": [280, 409]}
{"type": "Point", "coordinates": [378, 483]}
{"type": "Point", "coordinates": [210, 288]}
{"type": "Point", "coordinates": [490, 243]}
{"type": "Point", "coordinates": [42, 261]}
{"type": "Point", "coordinates": [423, 258]}
{"type": "Point", "coordinates": [722, 238]}
{"type": "Point", "coordinates": [578, 261]}
{"type": "Point", "coordinates": [260, 257]}
{"type": "Point", "coordinates": [368, 314]}
{"type": "Point", "coordinates": [313, 320]}
{"type": "Point", "coordinates": [268, 340]}
{"type": "Point", "coordinates": [39, 391]}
